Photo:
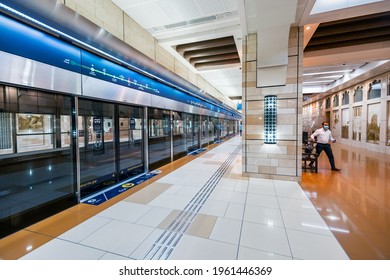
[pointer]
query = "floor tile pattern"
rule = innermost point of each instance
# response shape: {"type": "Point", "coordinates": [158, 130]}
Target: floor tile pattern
{"type": "Point", "coordinates": [237, 218]}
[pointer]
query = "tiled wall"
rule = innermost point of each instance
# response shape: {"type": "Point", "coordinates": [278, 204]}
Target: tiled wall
{"type": "Point", "coordinates": [106, 14]}
{"type": "Point", "coordinates": [283, 159]}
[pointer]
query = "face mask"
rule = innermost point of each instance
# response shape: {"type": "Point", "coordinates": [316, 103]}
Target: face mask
{"type": "Point", "coordinates": [326, 127]}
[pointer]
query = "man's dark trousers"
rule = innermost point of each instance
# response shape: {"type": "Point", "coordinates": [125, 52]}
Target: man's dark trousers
{"type": "Point", "coordinates": [328, 150]}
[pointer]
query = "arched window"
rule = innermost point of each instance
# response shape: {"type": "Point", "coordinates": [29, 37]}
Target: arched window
{"type": "Point", "coordinates": [345, 98]}
{"type": "Point", "coordinates": [358, 95]}
{"type": "Point", "coordinates": [327, 104]}
{"type": "Point", "coordinates": [336, 100]}
{"type": "Point", "coordinates": [374, 90]}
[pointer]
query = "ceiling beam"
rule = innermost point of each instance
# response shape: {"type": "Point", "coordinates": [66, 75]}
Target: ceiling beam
{"type": "Point", "coordinates": [302, 18]}
{"type": "Point", "coordinates": [368, 52]}
{"type": "Point", "coordinates": [217, 64]}
{"type": "Point", "coordinates": [233, 55]}
{"type": "Point", "coordinates": [356, 24]}
{"type": "Point", "coordinates": [273, 29]}
{"type": "Point", "coordinates": [350, 39]}
{"type": "Point", "coordinates": [226, 41]}
{"type": "Point", "coordinates": [243, 17]}
{"type": "Point", "coordinates": [210, 51]}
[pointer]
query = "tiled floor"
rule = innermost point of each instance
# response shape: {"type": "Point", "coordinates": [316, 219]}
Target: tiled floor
{"type": "Point", "coordinates": [185, 215]}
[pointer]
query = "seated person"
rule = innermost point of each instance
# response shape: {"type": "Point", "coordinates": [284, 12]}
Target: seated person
{"type": "Point", "coordinates": [309, 147]}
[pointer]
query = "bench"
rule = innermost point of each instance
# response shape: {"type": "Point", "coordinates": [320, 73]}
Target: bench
{"type": "Point", "coordinates": [310, 162]}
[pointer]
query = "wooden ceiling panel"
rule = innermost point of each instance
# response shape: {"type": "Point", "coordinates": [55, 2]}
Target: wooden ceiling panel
{"type": "Point", "coordinates": [210, 54]}
{"type": "Point", "coordinates": [351, 32]}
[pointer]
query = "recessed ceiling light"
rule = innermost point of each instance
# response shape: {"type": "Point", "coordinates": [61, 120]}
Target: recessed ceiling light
{"type": "Point", "coordinates": [319, 82]}
{"type": "Point", "coordinates": [308, 27]}
{"type": "Point", "coordinates": [327, 72]}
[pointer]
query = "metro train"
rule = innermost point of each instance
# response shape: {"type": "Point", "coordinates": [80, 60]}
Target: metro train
{"type": "Point", "coordinates": [80, 112]}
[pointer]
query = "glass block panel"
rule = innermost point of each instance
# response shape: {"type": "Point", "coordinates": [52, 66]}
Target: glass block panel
{"type": "Point", "coordinates": [270, 119]}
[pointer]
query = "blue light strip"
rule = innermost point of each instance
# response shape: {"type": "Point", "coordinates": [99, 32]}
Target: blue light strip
{"type": "Point", "coordinates": [113, 58]}
{"type": "Point", "coordinates": [72, 39]}
{"type": "Point", "coordinates": [270, 119]}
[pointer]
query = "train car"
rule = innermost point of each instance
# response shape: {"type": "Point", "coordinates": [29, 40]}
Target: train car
{"type": "Point", "coordinates": [81, 111]}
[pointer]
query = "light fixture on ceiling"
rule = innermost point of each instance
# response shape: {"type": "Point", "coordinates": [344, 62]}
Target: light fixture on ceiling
{"type": "Point", "coordinates": [226, 15]}
{"type": "Point", "coordinates": [319, 82]}
{"type": "Point", "coordinates": [327, 72]}
{"type": "Point", "coordinates": [330, 76]}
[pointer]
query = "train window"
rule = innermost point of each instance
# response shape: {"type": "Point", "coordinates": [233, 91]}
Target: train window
{"type": "Point", "coordinates": [197, 133]}
{"type": "Point", "coordinates": [205, 131]}
{"type": "Point", "coordinates": [159, 127]}
{"type": "Point", "coordinates": [130, 140]}
{"type": "Point", "coordinates": [192, 132]}
{"type": "Point", "coordinates": [65, 130]}
{"type": "Point", "coordinates": [179, 138]}
{"type": "Point", "coordinates": [225, 128]}
{"type": "Point", "coordinates": [6, 139]}
{"type": "Point", "coordinates": [215, 131]}
{"type": "Point", "coordinates": [82, 131]}
{"type": "Point", "coordinates": [34, 132]}
{"type": "Point", "coordinates": [97, 153]}
{"type": "Point", "coordinates": [28, 119]}
{"type": "Point", "coordinates": [36, 162]}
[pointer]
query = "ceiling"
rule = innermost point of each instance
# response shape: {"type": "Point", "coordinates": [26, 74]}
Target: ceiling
{"type": "Point", "coordinates": [211, 54]}
{"type": "Point", "coordinates": [345, 40]}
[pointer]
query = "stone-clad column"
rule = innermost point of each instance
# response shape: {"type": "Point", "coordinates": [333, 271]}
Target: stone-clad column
{"type": "Point", "coordinates": [283, 159]}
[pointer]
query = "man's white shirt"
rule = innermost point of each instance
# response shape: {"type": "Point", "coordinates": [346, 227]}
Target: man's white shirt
{"type": "Point", "coordinates": [323, 136]}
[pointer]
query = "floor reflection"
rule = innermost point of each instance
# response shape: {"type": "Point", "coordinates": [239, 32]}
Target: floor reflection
{"type": "Point", "coordinates": [355, 202]}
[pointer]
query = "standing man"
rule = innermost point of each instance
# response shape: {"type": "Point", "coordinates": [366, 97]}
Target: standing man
{"type": "Point", "coordinates": [324, 136]}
